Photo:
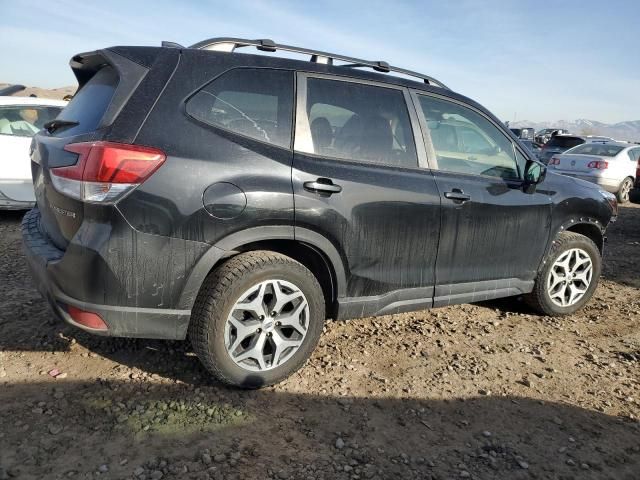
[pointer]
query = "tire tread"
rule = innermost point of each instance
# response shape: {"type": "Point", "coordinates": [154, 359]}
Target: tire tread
{"type": "Point", "coordinates": [211, 297]}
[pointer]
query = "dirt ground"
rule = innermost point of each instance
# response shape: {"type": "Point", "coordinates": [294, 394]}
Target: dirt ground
{"type": "Point", "coordinates": [474, 391]}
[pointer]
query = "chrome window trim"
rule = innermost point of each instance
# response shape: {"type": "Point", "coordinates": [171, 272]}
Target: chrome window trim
{"type": "Point", "coordinates": [303, 141]}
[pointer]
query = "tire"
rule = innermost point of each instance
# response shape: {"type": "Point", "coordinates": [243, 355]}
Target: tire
{"type": "Point", "coordinates": [541, 299]}
{"type": "Point", "coordinates": [213, 331]}
{"type": "Point", "coordinates": [625, 190]}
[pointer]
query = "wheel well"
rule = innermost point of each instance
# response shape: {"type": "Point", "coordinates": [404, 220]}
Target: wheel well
{"type": "Point", "coordinates": [307, 255]}
{"type": "Point", "coordinates": [590, 231]}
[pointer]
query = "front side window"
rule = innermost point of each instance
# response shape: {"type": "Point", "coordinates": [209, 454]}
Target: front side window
{"type": "Point", "coordinates": [360, 122]}
{"type": "Point", "coordinates": [256, 103]}
{"type": "Point", "coordinates": [466, 142]}
{"type": "Point", "coordinates": [25, 120]}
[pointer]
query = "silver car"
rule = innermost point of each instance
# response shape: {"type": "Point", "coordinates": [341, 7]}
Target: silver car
{"type": "Point", "coordinates": [613, 166]}
{"type": "Point", "coordinates": [20, 119]}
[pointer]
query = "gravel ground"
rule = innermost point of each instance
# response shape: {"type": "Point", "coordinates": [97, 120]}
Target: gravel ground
{"type": "Point", "coordinates": [474, 391]}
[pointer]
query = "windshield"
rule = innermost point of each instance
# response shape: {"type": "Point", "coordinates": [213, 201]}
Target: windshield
{"type": "Point", "coordinates": [596, 149]}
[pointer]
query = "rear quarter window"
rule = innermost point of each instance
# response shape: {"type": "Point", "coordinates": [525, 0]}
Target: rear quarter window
{"type": "Point", "coordinates": [255, 103]}
{"type": "Point", "coordinates": [89, 105]}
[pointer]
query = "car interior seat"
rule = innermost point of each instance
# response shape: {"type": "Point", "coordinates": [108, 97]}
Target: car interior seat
{"type": "Point", "coordinates": [321, 133]}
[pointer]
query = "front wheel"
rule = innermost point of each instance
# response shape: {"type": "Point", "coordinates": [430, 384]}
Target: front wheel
{"type": "Point", "coordinates": [625, 190]}
{"type": "Point", "coordinates": [569, 276]}
{"type": "Point", "coordinates": [257, 319]}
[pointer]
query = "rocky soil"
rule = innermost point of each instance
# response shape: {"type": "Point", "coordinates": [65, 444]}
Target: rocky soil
{"type": "Point", "coordinates": [474, 391]}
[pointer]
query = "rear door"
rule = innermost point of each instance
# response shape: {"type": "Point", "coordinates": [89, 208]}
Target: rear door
{"type": "Point", "coordinates": [493, 234]}
{"type": "Point", "coordinates": [357, 181]}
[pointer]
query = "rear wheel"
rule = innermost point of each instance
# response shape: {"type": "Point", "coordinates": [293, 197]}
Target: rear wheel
{"type": "Point", "coordinates": [625, 190]}
{"type": "Point", "coordinates": [569, 276]}
{"type": "Point", "coordinates": [257, 319]}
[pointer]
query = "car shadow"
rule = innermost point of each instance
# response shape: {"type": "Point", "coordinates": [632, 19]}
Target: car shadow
{"type": "Point", "coordinates": [71, 428]}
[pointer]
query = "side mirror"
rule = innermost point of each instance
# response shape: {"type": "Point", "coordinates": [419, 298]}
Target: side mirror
{"type": "Point", "coordinates": [534, 173]}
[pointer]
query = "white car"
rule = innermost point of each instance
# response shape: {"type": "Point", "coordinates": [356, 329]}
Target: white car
{"type": "Point", "coordinates": [613, 166]}
{"type": "Point", "coordinates": [20, 119]}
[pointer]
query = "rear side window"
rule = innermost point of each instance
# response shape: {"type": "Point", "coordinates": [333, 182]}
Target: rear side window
{"type": "Point", "coordinates": [596, 149]}
{"type": "Point", "coordinates": [256, 103]}
{"type": "Point", "coordinates": [565, 142]}
{"type": "Point", "coordinates": [25, 120]}
{"type": "Point", "coordinates": [353, 121]}
{"type": "Point", "coordinates": [89, 105]}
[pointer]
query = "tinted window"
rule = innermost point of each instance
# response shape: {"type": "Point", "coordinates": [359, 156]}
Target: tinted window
{"type": "Point", "coordinates": [256, 103]}
{"type": "Point", "coordinates": [564, 142]}
{"type": "Point", "coordinates": [90, 103]}
{"type": "Point", "coordinates": [596, 149]}
{"type": "Point", "coordinates": [466, 142]}
{"type": "Point", "coordinates": [360, 122]}
{"type": "Point", "coordinates": [25, 120]}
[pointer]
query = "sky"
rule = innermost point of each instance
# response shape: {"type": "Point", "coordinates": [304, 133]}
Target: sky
{"type": "Point", "coordinates": [535, 60]}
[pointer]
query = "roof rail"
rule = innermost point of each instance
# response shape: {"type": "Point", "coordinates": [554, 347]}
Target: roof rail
{"type": "Point", "coordinates": [229, 44]}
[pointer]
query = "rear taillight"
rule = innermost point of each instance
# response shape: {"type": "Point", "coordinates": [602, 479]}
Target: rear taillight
{"type": "Point", "coordinates": [599, 164]}
{"type": "Point", "coordinates": [554, 161]}
{"type": "Point", "coordinates": [106, 171]}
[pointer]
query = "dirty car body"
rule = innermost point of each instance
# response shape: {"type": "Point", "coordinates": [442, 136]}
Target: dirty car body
{"type": "Point", "coordinates": [436, 215]}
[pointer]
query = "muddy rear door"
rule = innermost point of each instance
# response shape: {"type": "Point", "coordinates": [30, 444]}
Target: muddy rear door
{"type": "Point", "coordinates": [356, 182]}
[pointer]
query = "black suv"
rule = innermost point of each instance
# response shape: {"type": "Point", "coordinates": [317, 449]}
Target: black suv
{"type": "Point", "coordinates": [239, 200]}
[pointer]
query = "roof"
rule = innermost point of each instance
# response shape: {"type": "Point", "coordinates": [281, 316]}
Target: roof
{"type": "Point", "coordinates": [47, 102]}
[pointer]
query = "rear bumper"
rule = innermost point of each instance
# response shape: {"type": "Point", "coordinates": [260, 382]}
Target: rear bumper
{"type": "Point", "coordinates": [122, 321]}
{"type": "Point", "coordinates": [610, 185]}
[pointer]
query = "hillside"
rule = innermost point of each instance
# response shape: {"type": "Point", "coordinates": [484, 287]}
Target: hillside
{"type": "Point", "coordinates": [55, 93]}
{"type": "Point", "coordinates": [629, 130]}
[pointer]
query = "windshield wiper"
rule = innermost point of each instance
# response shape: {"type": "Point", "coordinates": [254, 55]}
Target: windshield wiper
{"type": "Point", "coordinates": [53, 125]}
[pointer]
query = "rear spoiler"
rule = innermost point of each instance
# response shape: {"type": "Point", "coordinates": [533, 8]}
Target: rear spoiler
{"type": "Point", "coordinates": [130, 74]}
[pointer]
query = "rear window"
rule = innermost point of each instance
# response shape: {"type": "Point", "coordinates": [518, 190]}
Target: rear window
{"type": "Point", "coordinates": [565, 142]}
{"type": "Point", "coordinates": [25, 120]}
{"type": "Point", "coordinates": [256, 103]}
{"type": "Point", "coordinates": [596, 149]}
{"type": "Point", "coordinates": [89, 105]}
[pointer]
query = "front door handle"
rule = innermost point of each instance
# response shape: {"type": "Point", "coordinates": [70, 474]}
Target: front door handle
{"type": "Point", "coordinates": [322, 186]}
{"type": "Point", "coordinates": [457, 194]}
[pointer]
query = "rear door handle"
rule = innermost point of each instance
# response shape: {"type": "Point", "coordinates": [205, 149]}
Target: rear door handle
{"type": "Point", "coordinates": [323, 186]}
{"type": "Point", "coordinates": [457, 194]}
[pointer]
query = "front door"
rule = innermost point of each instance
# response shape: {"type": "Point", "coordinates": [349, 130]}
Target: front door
{"type": "Point", "coordinates": [357, 182]}
{"type": "Point", "coordinates": [493, 234]}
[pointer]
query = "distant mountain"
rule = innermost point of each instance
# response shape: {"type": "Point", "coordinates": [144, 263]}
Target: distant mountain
{"type": "Point", "coordinates": [54, 93]}
{"type": "Point", "coordinates": [629, 130]}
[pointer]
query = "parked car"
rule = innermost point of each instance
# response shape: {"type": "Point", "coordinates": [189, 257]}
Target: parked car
{"type": "Point", "coordinates": [612, 166]}
{"type": "Point", "coordinates": [176, 197]}
{"type": "Point", "coordinates": [523, 133]}
{"type": "Point", "coordinates": [20, 119]}
{"type": "Point", "coordinates": [562, 143]}
{"type": "Point", "coordinates": [636, 155]}
{"type": "Point", "coordinates": [544, 135]}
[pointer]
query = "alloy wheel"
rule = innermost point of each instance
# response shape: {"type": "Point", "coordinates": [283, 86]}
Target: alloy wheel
{"type": "Point", "coordinates": [570, 277]}
{"type": "Point", "coordinates": [267, 325]}
{"type": "Point", "coordinates": [625, 190]}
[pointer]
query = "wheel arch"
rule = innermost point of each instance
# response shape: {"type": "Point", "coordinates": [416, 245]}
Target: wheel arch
{"type": "Point", "coordinates": [311, 249]}
{"type": "Point", "coordinates": [589, 229]}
